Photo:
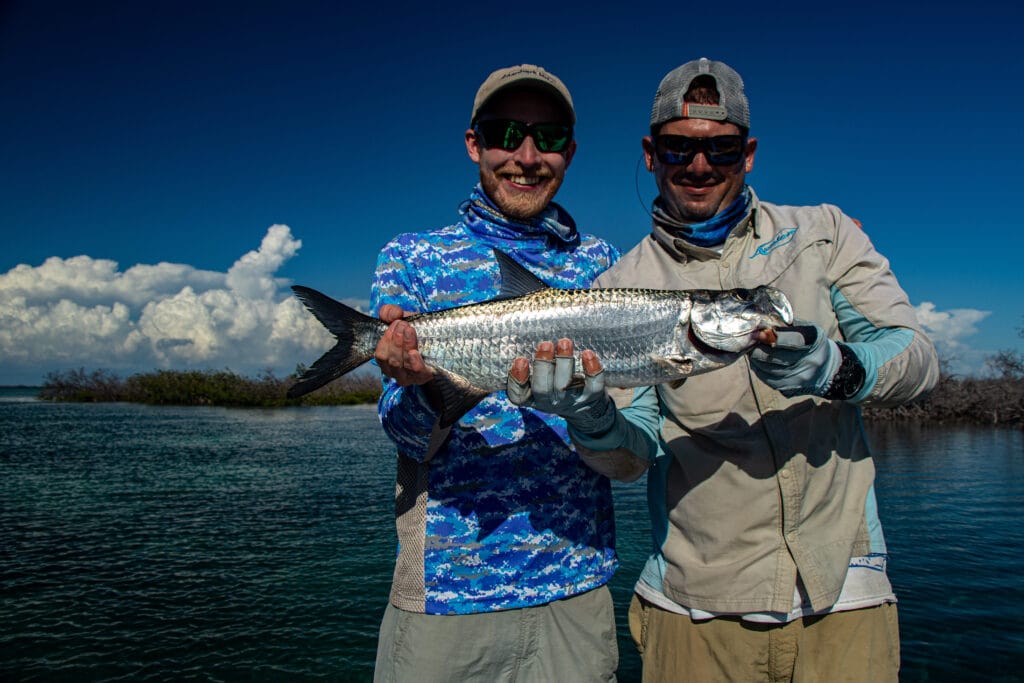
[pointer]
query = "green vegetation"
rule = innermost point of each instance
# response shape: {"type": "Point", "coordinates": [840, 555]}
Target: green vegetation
{"type": "Point", "coordinates": [963, 401]}
{"type": "Point", "coordinates": [203, 388]}
{"type": "Point", "coordinates": [998, 400]}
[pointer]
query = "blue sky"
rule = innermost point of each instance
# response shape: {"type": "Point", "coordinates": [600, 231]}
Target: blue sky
{"type": "Point", "coordinates": [148, 148]}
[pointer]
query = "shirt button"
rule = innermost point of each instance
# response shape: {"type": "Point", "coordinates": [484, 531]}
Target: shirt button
{"type": "Point", "coordinates": [784, 474]}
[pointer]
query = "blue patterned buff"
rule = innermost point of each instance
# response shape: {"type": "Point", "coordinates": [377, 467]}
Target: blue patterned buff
{"type": "Point", "coordinates": [709, 233]}
{"type": "Point", "coordinates": [510, 517]}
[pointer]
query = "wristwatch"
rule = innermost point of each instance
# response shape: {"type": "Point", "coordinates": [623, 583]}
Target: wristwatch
{"type": "Point", "coordinates": [849, 378]}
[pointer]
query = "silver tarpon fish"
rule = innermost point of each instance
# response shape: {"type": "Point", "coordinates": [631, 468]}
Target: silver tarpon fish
{"type": "Point", "coordinates": [641, 336]}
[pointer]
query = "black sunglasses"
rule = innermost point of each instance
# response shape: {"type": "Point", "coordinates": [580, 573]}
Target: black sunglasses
{"type": "Point", "coordinates": [720, 150]}
{"type": "Point", "coordinates": [508, 134]}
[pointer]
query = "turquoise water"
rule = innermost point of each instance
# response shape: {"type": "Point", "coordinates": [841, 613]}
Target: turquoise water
{"type": "Point", "coordinates": [141, 543]}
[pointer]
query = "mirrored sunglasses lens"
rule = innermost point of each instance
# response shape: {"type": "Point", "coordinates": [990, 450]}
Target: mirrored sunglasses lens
{"type": "Point", "coordinates": [551, 137]}
{"type": "Point", "coordinates": [721, 150]}
{"type": "Point", "coordinates": [507, 135]}
{"type": "Point", "coordinates": [676, 158]}
{"type": "Point", "coordinates": [512, 135]}
{"type": "Point", "coordinates": [725, 149]}
{"type": "Point", "coordinates": [675, 149]}
{"type": "Point", "coordinates": [515, 133]}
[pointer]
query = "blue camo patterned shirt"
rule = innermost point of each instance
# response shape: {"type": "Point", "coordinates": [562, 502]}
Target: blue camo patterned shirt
{"type": "Point", "coordinates": [512, 517]}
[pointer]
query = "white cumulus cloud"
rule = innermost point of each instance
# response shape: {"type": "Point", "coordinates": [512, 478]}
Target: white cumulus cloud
{"type": "Point", "coordinates": [949, 331]}
{"type": "Point", "coordinates": [84, 311]}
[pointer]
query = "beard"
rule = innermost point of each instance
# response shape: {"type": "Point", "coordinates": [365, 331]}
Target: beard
{"type": "Point", "coordinates": [517, 204]}
{"type": "Point", "coordinates": [691, 212]}
{"type": "Point", "coordinates": [687, 209]}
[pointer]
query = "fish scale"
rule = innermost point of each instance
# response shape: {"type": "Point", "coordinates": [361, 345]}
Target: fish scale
{"type": "Point", "coordinates": [641, 336]}
{"type": "Point", "coordinates": [626, 328]}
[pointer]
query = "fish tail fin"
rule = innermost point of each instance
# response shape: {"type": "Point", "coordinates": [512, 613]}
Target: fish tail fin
{"type": "Point", "coordinates": [357, 335]}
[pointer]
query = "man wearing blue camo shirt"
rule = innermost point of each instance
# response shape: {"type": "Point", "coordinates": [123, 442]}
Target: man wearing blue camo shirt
{"type": "Point", "coordinates": [506, 538]}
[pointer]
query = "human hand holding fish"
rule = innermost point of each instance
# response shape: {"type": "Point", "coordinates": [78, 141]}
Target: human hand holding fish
{"type": "Point", "coordinates": [397, 353]}
{"type": "Point", "coordinates": [460, 355]}
{"type": "Point", "coordinates": [547, 385]}
{"type": "Point", "coordinates": [803, 360]}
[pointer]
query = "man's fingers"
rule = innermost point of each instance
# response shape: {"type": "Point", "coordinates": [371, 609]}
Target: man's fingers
{"type": "Point", "coordinates": [591, 363]}
{"type": "Point", "coordinates": [389, 313]}
{"type": "Point", "coordinates": [593, 374]}
{"type": "Point", "coordinates": [396, 349]}
{"type": "Point", "coordinates": [385, 348]}
{"type": "Point", "coordinates": [397, 352]}
{"type": "Point", "coordinates": [398, 355]}
{"type": "Point", "coordinates": [593, 384]}
{"type": "Point", "coordinates": [548, 377]}
{"type": "Point", "coordinates": [520, 371]}
{"type": "Point", "coordinates": [414, 363]}
{"type": "Point", "coordinates": [517, 385]}
{"type": "Point", "coordinates": [410, 341]}
{"type": "Point", "coordinates": [565, 364]}
{"type": "Point", "coordinates": [543, 376]}
{"type": "Point", "coordinates": [796, 336]}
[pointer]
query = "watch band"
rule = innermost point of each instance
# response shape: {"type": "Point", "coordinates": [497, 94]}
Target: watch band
{"type": "Point", "coordinates": [849, 378]}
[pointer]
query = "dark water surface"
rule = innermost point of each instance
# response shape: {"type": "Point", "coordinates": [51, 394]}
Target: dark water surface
{"type": "Point", "coordinates": [141, 543]}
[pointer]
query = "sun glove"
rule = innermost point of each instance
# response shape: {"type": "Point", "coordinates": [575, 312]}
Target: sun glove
{"type": "Point", "coordinates": [587, 409]}
{"type": "Point", "coordinates": [802, 361]}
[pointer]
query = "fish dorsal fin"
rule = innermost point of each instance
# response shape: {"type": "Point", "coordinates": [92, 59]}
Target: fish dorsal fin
{"type": "Point", "coordinates": [515, 279]}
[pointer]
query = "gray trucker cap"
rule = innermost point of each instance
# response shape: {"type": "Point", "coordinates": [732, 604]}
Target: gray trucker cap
{"type": "Point", "coordinates": [732, 102]}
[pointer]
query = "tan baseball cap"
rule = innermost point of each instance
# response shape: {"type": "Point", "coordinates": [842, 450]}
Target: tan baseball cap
{"type": "Point", "coordinates": [523, 75]}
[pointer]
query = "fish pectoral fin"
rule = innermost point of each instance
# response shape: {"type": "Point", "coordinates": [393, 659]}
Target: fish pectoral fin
{"type": "Point", "coordinates": [677, 365]}
{"type": "Point", "coordinates": [438, 435]}
{"type": "Point", "coordinates": [457, 395]}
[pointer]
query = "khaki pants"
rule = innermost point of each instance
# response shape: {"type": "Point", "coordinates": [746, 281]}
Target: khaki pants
{"type": "Point", "coordinates": [566, 641]}
{"type": "Point", "coordinates": [860, 645]}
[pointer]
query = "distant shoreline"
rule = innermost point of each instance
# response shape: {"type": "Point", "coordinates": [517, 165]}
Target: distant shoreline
{"type": "Point", "coordinates": [203, 388]}
{"type": "Point", "coordinates": [955, 401]}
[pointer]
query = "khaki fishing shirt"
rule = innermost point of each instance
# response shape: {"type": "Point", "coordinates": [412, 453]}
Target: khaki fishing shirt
{"type": "Point", "coordinates": [754, 489]}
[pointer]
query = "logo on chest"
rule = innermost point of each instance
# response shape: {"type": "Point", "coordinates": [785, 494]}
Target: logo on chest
{"type": "Point", "coordinates": [782, 239]}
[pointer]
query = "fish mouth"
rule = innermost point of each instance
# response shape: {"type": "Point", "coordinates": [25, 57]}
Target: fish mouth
{"type": "Point", "coordinates": [704, 348]}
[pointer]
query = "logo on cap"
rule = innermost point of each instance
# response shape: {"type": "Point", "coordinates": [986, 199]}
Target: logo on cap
{"type": "Point", "coordinates": [714, 112]}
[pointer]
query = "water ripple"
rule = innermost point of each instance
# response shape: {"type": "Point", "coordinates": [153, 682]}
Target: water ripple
{"type": "Point", "coordinates": [207, 544]}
